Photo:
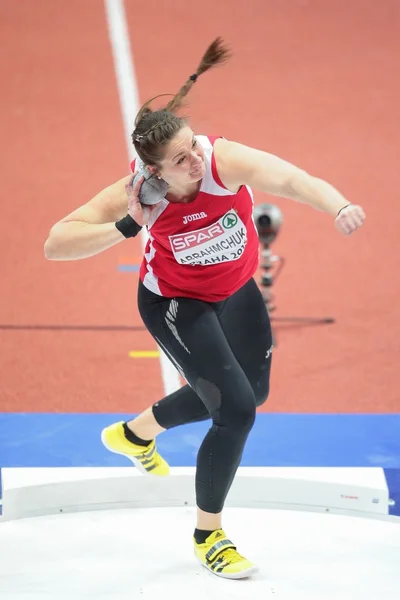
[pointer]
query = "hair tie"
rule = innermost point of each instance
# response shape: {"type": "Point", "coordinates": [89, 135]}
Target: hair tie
{"type": "Point", "coordinates": [193, 77]}
{"type": "Point", "coordinates": [343, 207]}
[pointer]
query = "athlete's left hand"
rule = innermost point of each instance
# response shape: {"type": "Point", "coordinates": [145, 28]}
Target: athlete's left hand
{"type": "Point", "coordinates": [349, 219]}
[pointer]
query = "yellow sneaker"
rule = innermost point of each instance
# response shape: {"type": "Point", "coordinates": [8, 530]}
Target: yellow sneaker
{"type": "Point", "coordinates": [219, 555]}
{"type": "Point", "coordinates": [145, 458]}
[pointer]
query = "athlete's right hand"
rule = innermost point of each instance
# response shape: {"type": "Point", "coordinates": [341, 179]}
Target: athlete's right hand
{"type": "Point", "coordinates": [139, 212]}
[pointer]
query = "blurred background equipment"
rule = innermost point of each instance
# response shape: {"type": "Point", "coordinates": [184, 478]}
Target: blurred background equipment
{"type": "Point", "coordinates": [268, 220]}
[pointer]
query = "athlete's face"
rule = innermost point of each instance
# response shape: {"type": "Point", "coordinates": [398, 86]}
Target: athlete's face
{"type": "Point", "coordinates": [184, 159]}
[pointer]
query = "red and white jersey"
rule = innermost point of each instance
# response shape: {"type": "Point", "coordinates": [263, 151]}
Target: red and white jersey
{"type": "Point", "coordinates": [206, 249]}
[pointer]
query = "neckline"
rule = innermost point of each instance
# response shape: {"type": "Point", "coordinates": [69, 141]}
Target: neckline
{"type": "Point", "coordinates": [195, 199]}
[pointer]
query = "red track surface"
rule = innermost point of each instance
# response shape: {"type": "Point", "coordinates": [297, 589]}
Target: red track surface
{"type": "Point", "coordinates": [314, 82]}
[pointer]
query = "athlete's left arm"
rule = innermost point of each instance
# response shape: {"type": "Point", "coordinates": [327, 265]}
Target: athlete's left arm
{"type": "Point", "coordinates": [238, 165]}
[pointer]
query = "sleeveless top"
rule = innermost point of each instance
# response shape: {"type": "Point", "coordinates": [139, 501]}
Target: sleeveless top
{"type": "Point", "coordinates": [206, 249]}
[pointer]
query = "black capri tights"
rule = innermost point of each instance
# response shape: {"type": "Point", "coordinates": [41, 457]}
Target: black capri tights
{"type": "Point", "coordinates": [223, 350]}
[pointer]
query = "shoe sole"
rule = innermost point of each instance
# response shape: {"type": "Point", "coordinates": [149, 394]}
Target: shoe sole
{"type": "Point", "coordinates": [242, 575]}
{"type": "Point", "coordinates": [135, 461]}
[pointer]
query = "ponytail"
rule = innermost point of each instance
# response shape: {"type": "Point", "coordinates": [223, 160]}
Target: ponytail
{"type": "Point", "coordinates": [154, 129]}
{"type": "Point", "coordinates": [216, 54]}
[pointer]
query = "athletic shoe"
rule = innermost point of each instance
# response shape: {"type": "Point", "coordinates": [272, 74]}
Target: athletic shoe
{"type": "Point", "coordinates": [219, 555]}
{"type": "Point", "coordinates": [145, 458]}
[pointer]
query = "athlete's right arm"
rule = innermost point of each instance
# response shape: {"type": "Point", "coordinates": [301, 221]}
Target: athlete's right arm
{"type": "Point", "coordinates": [90, 229]}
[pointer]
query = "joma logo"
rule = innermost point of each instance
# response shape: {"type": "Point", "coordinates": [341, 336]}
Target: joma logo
{"type": "Point", "coordinates": [194, 217]}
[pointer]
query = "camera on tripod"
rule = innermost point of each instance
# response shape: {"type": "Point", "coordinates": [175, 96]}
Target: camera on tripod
{"type": "Point", "coordinates": [268, 221]}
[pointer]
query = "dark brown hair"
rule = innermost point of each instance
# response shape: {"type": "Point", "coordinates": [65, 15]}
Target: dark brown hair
{"type": "Point", "coordinates": [154, 129]}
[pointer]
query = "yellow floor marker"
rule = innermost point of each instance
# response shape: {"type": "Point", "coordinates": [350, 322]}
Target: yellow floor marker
{"type": "Point", "coordinates": [144, 354]}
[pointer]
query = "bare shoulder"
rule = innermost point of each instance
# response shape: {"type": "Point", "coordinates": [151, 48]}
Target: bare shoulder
{"type": "Point", "coordinates": [238, 165]}
{"type": "Point", "coordinates": [233, 161]}
{"type": "Point", "coordinates": [110, 204]}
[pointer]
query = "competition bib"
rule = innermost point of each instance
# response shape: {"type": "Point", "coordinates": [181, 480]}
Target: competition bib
{"type": "Point", "coordinates": [220, 242]}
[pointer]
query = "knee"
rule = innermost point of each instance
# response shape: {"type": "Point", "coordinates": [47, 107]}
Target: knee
{"type": "Point", "coordinates": [232, 405]}
{"type": "Point", "coordinates": [241, 412]}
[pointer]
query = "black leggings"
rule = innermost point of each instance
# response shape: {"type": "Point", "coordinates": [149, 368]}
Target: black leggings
{"type": "Point", "coordinates": [223, 350]}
